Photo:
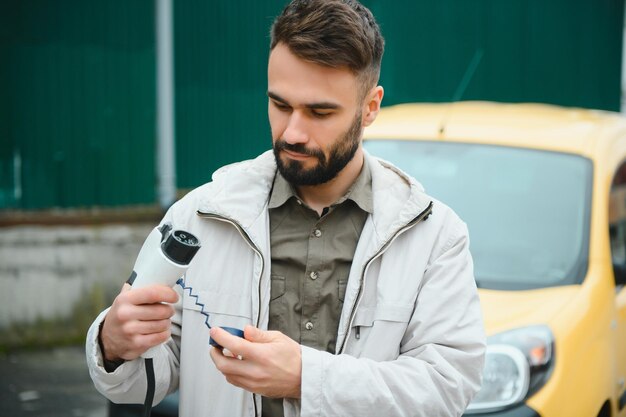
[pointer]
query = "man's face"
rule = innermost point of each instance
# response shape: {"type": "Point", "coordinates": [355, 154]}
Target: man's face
{"type": "Point", "coordinates": [315, 117]}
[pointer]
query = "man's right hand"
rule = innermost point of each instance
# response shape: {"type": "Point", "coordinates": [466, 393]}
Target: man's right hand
{"type": "Point", "coordinates": [137, 321]}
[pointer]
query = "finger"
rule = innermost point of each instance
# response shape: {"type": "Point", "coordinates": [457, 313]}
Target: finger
{"type": "Point", "coordinates": [228, 365]}
{"type": "Point", "coordinates": [152, 311]}
{"type": "Point", "coordinates": [220, 359]}
{"type": "Point", "coordinates": [152, 294]}
{"type": "Point", "coordinates": [230, 354]}
{"type": "Point", "coordinates": [217, 357]}
{"type": "Point", "coordinates": [256, 335]}
{"type": "Point", "coordinates": [145, 342]}
{"type": "Point", "coordinates": [148, 327]}
{"type": "Point", "coordinates": [125, 312]}
{"type": "Point", "coordinates": [234, 344]}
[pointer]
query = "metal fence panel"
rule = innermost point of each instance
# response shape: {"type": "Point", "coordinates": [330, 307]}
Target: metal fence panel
{"type": "Point", "coordinates": [221, 51]}
{"type": "Point", "coordinates": [565, 52]}
{"type": "Point", "coordinates": [79, 87]}
{"type": "Point", "coordinates": [77, 80]}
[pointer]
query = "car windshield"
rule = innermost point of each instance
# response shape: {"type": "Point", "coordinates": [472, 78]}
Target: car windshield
{"type": "Point", "coordinates": [527, 210]}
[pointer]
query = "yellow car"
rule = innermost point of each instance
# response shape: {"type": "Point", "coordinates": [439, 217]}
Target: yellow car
{"type": "Point", "coordinates": [543, 191]}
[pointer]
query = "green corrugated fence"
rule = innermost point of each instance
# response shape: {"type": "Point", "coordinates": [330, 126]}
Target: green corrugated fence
{"type": "Point", "coordinates": [79, 90]}
{"type": "Point", "coordinates": [77, 79]}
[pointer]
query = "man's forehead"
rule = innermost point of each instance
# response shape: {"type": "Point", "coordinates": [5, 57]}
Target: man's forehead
{"type": "Point", "coordinates": [303, 82]}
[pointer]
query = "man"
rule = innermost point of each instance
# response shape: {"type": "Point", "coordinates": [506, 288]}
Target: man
{"type": "Point", "coordinates": [365, 282]}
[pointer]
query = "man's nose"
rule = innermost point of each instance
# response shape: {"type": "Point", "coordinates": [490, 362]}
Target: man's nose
{"type": "Point", "coordinates": [295, 132]}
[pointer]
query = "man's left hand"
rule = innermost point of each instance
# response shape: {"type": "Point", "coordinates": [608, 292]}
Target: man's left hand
{"type": "Point", "coordinates": [264, 362]}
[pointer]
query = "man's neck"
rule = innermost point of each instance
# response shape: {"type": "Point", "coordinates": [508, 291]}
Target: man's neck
{"type": "Point", "coordinates": [323, 195]}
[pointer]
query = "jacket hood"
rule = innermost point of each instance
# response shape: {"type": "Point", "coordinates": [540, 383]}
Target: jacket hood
{"type": "Point", "coordinates": [396, 203]}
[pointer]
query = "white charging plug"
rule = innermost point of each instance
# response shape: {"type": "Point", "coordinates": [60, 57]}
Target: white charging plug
{"type": "Point", "coordinates": [163, 259]}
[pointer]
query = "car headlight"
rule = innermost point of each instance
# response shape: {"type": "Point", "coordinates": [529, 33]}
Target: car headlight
{"type": "Point", "coordinates": [517, 363]}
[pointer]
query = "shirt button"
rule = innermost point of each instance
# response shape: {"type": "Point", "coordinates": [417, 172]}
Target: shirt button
{"type": "Point", "coordinates": [313, 275]}
{"type": "Point", "coordinates": [309, 325]}
{"type": "Point", "coordinates": [317, 233]}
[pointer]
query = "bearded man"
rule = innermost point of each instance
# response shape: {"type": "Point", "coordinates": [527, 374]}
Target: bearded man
{"type": "Point", "coordinates": [354, 288]}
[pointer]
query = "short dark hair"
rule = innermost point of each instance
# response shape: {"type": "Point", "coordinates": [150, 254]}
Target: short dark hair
{"type": "Point", "coordinates": [332, 33]}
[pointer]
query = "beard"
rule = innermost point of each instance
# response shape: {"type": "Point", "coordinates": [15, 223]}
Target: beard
{"type": "Point", "coordinates": [327, 168]}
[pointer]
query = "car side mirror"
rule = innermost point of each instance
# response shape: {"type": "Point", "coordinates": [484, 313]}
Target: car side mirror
{"type": "Point", "coordinates": [619, 271]}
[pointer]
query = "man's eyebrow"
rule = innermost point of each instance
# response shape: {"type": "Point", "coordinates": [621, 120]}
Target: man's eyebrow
{"type": "Point", "coordinates": [276, 97]}
{"type": "Point", "coordinates": [326, 105]}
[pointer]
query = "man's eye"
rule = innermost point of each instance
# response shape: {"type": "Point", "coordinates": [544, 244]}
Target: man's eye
{"type": "Point", "coordinates": [320, 114]}
{"type": "Point", "coordinates": [280, 106]}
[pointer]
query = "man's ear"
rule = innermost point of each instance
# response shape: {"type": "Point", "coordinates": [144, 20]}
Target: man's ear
{"type": "Point", "coordinates": [371, 106]}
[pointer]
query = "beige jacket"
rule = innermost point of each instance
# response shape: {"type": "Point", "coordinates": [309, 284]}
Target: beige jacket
{"type": "Point", "coordinates": [411, 299]}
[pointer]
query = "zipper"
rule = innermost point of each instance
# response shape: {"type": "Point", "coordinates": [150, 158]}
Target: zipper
{"type": "Point", "coordinates": [420, 217]}
{"type": "Point", "coordinates": [250, 243]}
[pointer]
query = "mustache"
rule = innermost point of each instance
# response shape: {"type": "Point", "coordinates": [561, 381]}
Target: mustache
{"type": "Point", "coordinates": [281, 144]}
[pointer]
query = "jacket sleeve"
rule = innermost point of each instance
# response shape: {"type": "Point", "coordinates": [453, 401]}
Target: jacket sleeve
{"type": "Point", "coordinates": [128, 384]}
{"type": "Point", "coordinates": [440, 362]}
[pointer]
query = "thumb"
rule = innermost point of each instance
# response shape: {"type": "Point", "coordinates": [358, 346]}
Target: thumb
{"type": "Point", "coordinates": [256, 335]}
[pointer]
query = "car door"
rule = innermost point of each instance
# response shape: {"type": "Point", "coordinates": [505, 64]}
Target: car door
{"type": "Point", "coordinates": [617, 230]}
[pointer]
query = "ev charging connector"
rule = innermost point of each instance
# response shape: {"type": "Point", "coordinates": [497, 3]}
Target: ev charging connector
{"type": "Point", "coordinates": [163, 259]}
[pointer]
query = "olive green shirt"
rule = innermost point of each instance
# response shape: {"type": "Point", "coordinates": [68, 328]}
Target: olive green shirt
{"type": "Point", "coordinates": [311, 259]}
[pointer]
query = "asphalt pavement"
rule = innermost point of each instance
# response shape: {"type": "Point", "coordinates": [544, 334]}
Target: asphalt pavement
{"type": "Point", "coordinates": [48, 383]}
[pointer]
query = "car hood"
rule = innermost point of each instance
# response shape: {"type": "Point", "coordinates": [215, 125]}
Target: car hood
{"type": "Point", "coordinates": [505, 310]}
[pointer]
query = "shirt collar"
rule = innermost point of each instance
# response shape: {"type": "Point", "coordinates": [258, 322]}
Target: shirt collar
{"type": "Point", "coordinates": [360, 191]}
{"type": "Point", "coordinates": [281, 191]}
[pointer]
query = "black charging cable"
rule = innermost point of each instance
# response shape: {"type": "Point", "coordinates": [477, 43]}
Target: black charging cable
{"type": "Point", "coordinates": [147, 405]}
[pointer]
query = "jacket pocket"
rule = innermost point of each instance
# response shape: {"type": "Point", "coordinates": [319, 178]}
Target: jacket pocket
{"type": "Point", "coordinates": [377, 331]}
{"type": "Point", "coordinates": [367, 316]}
{"type": "Point", "coordinates": [223, 309]}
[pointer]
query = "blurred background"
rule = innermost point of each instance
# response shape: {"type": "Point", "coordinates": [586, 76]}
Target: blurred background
{"type": "Point", "coordinates": [110, 110]}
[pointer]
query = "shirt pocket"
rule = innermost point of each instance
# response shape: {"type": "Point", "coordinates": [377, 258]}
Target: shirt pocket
{"type": "Point", "coordinates": [277, 289]}
{"type": "Point", "coordinates": [278, 304]}
{"type": "Point", "coordinates": [341, 289]}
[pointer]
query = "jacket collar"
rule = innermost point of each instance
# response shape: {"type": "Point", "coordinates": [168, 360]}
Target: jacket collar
{"type": "Point", "coordinates": [240, 191]}
{"type": "Point", "coordinates": [397, 198]}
